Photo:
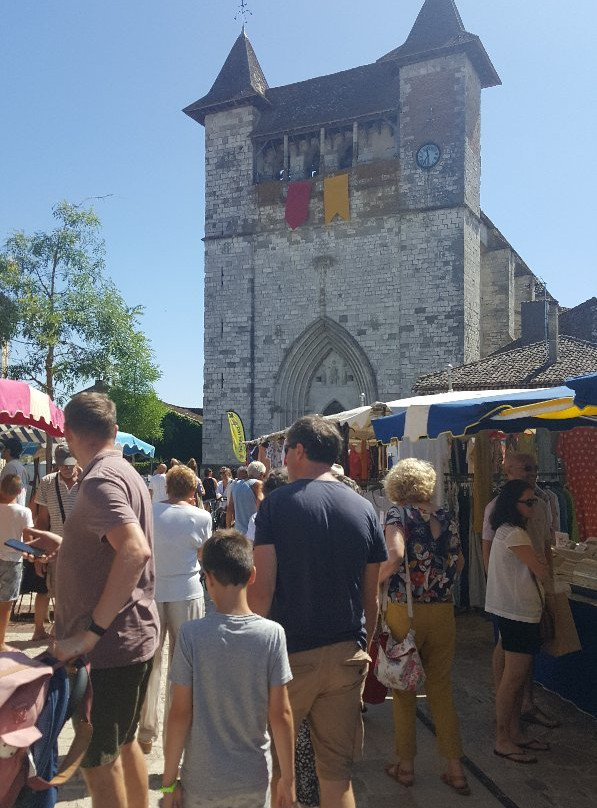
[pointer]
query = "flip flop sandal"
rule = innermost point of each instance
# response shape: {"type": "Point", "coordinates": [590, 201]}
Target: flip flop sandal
{"type": "Point", "coordinates": [535, 745]}
{"type": "Point", "coordinates": [401, 776]}
{"type": "Point", "coordinates": [458, 784]}
{"type": "Point", "coordinates": [516, 757]}
{"type": "Point", "coordinates": [537, 716]}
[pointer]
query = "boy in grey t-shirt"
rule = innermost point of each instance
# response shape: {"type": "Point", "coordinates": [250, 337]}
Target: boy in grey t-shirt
{"type": "Point", "coordinates": [229, 676]}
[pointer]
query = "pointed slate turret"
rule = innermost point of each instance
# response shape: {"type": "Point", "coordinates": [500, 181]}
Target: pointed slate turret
{"type": "Point", "coordinates": [438, 31]}
{"type": "Point", "coordinates": [240, 81]}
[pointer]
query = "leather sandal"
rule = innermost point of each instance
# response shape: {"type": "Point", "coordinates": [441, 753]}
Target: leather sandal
{"type": "Point", "coordinates": [458, 783]}
{"type": "Point", "coordinates": [402, 776]}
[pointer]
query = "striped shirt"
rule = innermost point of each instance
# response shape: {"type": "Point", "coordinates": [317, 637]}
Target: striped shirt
{"type": "Point", "coordinates": [47, 496]}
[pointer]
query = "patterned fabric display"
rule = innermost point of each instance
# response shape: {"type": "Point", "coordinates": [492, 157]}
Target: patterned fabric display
{"type": "Point", "coordinates": [578, 450]}
{"type": "Point", "coordinates": [432, 562]}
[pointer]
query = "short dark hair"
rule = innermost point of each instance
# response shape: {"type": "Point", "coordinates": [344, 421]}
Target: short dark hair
{"type": "Point", "coordinates": [228, 556]}
{"type": "Point", "coordinates": [14, 446]}
{"type": "Point", "coordinates": [275, 479]}
{"type": "Point", "coordinates": [505, 511]}
{"type": "Point", "coordinates": [320, 439]}
{"type": "Point", "coordinates": [91, 413]}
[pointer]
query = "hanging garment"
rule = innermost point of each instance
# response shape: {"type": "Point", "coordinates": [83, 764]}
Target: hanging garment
{"type": "Point", "coordinates": [578, 450]}
{"type": "Point", "coordinates": [297, 204]}
{"type": "Point", "coordinates": [335, 198]}
{"type": "Point", "coordinates": [526, 444]}
{"type": "Point", "coordinates": [482, 482]}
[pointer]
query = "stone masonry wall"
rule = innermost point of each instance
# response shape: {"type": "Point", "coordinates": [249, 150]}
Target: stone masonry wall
{"type": "Point", "coordinates": [401, 276]}
{"type": "Point", "coordinates": [497, 300]}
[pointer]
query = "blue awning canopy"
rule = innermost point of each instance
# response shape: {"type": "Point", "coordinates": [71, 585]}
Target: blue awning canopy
{"type": "Point", "coordinates": [466, 413]}
{"type": "Point", "coordinates": [132, 445]}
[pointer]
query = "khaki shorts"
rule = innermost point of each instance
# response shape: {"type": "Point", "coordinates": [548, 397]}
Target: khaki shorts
{"type": "Point", "coordinates": [326, 689]}
{"type": "Point", "coordinates": [51, 578]}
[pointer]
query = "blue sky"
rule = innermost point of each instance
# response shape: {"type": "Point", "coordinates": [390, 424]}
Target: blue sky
{"type": "Point", "coordinates": [91, 98]}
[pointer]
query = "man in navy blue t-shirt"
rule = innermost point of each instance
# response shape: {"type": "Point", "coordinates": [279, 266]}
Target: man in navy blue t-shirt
{"type": "Point", "coordinates": [318, 547]}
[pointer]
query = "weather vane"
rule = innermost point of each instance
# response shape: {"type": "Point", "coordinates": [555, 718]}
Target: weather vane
{"type": "Point", "coordinates": [244, 12]}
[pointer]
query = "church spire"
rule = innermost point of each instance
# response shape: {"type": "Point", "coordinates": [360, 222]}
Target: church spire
{"type": "Point", "coordinates": [438, 31]}
{"type": "Point", "coordinates": [438, 22]}
{"type": "Point", "coordinates": [240, 81]}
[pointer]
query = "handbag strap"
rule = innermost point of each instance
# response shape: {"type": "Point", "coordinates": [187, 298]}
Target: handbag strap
{"type": "Point", "coordinates": [539, 590]}
{"type": "Point", "coordinates": [407, 580]}
{"type": "Point", "coordinates": [59, 495]}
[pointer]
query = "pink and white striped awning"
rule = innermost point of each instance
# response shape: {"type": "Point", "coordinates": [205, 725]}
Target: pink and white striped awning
{"type": "Point", "coordinates": [23, 405]}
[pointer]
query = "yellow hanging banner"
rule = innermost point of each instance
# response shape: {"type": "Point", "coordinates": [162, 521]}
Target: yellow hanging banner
{"type": "Point", "coordinates": [335, 198]}
{"type": "Point", "coordinates": [237, 433]}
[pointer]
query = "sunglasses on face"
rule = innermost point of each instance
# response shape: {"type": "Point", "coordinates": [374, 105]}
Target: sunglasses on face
{"type": "Point", "coordinates": [529, 502]}
{"type": "Point", "coordinates": [530, 468]}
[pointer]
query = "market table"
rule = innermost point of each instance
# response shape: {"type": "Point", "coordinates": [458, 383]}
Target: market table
{"type": "Point", "coordinates": [574, 676]}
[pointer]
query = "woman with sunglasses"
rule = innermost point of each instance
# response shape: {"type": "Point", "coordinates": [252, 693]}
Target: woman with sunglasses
{"type": "Point", "coordinates": [514, 595]}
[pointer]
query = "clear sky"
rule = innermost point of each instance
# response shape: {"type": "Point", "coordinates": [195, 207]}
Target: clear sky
{"type": "Point", "coordinates": [91, 98]}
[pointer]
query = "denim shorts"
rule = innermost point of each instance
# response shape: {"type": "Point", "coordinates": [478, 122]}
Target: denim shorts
{"type": "Point", "coordinates": [11, 573]}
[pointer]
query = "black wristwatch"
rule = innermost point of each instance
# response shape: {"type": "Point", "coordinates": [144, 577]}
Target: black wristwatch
{"type": "Point", "coordinates": [95, 629]}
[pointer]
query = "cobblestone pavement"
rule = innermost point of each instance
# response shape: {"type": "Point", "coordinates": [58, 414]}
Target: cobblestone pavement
{"type": "Point", "coordinates": [565, 776]}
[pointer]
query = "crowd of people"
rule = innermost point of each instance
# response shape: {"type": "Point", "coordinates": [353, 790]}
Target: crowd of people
{"type": "Point", "coordinates": [293, 561]}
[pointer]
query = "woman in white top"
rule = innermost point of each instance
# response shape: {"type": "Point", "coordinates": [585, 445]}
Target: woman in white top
{"type": "Point", "coordinates": [514, 595]}
{"type": "Point", "coordinates": [179, 531]}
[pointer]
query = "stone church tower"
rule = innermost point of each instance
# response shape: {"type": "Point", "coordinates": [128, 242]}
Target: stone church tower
{"type": "Point", "coordinates": [307, 320]}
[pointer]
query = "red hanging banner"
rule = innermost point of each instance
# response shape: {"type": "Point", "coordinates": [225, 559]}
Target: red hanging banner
{"type": "Point", "coordinates": [297, 203]}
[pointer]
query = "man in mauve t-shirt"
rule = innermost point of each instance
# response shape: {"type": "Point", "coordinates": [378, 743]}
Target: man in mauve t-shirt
{"type": "Point", "coordinates": [318, 547]}
{"type": "Point", "coordinates": [104, 598]}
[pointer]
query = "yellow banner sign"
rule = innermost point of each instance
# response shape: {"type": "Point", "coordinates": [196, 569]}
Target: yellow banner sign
{"type": "Point", "coordinates": [237, 433]}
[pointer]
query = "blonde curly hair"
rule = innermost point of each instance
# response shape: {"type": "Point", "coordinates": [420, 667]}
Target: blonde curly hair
{"type": "Point", "coordinates": [410, 480]}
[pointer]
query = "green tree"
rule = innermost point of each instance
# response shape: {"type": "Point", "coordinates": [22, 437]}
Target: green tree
{"type": "Point", "coordinates": [139, 409]}
{"type": "Point", "coordinates": [72, 322]}
{"type": "Point", "coordinates": [8, 318]}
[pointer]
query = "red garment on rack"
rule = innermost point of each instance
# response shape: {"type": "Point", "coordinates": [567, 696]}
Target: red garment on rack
{"type": "Point", "coordinates": [354, 465]}
{"type": "Point", "coordinates": [578, 450]}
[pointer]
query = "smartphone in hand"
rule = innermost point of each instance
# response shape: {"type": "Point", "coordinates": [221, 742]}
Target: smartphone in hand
{"type": "Point", "coordinates": [14, 544]}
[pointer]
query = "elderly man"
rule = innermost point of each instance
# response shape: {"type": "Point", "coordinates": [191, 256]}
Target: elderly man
{"type": "Point", "coordinates": [104, 598]}
{"type": "Point", "coordinates": [318, 548]}
{"type": "Point", "coordinates": [54, 498]}
{"type": "Point", "coordinates": [244, 496]}
{"type": "Point", "coordinates": [157, 484]}
{"type": "Point", "coordinates": [519, 466]}
{"type": "Point", "coordinates": [11, 452]}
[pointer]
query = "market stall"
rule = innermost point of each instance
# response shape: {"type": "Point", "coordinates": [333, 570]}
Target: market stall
{"type": "Point", "coordinates": [570, 411]}
{"type": "Point", "coordinates": [132, 445]}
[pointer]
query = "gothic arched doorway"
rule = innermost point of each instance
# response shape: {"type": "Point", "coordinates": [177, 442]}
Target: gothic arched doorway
{"type": "Point", "coordinates": [333, 408]}
{"type": "Point", "coordinates": [324, 364]}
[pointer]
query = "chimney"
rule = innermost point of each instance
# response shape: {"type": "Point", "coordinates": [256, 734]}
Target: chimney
{"type": "Point", "coordinates": [533, 321]}
{"type": "Point", "coordinates": [553, 333]}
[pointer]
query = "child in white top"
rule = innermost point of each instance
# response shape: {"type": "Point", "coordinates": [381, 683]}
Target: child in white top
{"type": "Point", "coordinates": [13, 519]}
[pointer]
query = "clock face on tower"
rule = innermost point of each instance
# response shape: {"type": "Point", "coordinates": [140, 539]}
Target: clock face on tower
{"type": "Point", "coordinates": [428, 155]}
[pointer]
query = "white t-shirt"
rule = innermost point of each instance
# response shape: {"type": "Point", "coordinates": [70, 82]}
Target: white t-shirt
{"type": "Point", "coordinates": [511, 589]}
{"type": "Point", "coordinates": [538, 526]}
{"type": "Point", "coordinates": [178, 533]}
{"type": "Point", "coordinates": [250, 534]}
{"type": "Point", "coordinates": [13, 518]}
{"type": "Point", "coordinates": [15, 466]}
{"type": "Point", "coordinates": [157, 486]}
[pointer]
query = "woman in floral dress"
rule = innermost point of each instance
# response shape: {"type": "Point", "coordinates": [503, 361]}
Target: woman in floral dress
{"type": "Point", "coordinates": [435, 560]}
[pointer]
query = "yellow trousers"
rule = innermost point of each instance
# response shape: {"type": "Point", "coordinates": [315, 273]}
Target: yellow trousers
{"type": "Point", "coordinates": [435, 631]}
